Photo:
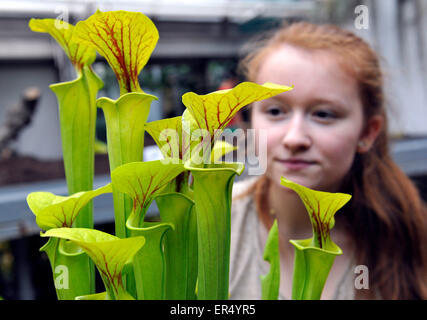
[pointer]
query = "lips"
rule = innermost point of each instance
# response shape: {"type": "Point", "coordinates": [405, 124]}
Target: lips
{"type": "Point", "coordinates": [296, 164]}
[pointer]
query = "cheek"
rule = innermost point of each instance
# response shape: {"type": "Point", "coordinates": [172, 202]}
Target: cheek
{"type": "Point", "coordinates": [257, 126]}
{"type": "Point", "coordinates": [274, 139]}
{"type": "Point", "coordinates": [267, 145]}
{"type": "Point", "coordinates": [338, 150]}
{"type": "Point", "coordinates": [266, 140]}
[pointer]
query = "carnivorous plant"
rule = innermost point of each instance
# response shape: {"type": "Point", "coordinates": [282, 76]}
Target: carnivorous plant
{"type": "Point", "coordinates": [185, 254]}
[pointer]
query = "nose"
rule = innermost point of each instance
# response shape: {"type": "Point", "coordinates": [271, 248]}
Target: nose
{"type": "Point", "coordinates": [296, 137]}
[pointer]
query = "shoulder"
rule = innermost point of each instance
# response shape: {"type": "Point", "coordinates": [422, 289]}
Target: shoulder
{"type": "Point", "coordinates": [241, 202]}
{"type": "Point", "coordinates": [241, 186]}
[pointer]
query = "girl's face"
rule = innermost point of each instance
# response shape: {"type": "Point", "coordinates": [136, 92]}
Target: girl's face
{"type": "Point", "coordinates": [313, 130]}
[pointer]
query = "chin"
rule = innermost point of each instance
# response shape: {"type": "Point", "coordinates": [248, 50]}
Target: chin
{"type": "Point", "coordinates": [303, 181]}
{"type": "Point", "coordinates": [275, 178]}
{"type": "Point", "coordinates": [294, 177]}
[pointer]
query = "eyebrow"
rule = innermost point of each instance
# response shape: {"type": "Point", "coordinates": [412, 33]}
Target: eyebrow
{"type": "Point", "coordinates": [335, 102]}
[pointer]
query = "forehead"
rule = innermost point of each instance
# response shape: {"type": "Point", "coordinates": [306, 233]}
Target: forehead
{"type": "Point", "coordinates": [315, 74]}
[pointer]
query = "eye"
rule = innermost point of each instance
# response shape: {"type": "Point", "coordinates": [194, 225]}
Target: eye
{"type": "Point", "coordinates": [274, 111]}
{"type": "Point", "coordinates": [324, 115]}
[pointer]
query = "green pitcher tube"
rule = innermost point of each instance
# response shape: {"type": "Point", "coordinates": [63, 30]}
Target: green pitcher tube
{"type": "Point", "coordinates": [149, 262]}
{"type": "Point", "coordinates": [212, 187]}
{"type": "Point", "coordinates": [67, 262]}
{"type": "Point", "coordinates": [311, 269]}
{"type": "Point", "coordinates": [180, 245]}
{"type": "Point", "coordinates": [77, 114]}
{"type": "Point", "coordinates": [125, 118]}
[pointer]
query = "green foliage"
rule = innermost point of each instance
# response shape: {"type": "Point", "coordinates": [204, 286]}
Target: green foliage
{"type": "Point", "coordinates": [314, 257]}
{"type": "Point", "coordinates": [142, 181]}
{"type": "Point", "coordinates": [77, 116]}
{"type": "Point", "coordinates": [321, 207]}
{"type": "Point", "coordinates": [109, 253]}
{"type": "Point", "coordinates": [54, 211]}
{"type": "Point", "coordinates": [118, 36]}
{"type": "Point", "coordinates": [186, 254]}
{"type": "Point", "coordinates": [270, 282]}
{"type": "Point", "coordinates": [78, 53]}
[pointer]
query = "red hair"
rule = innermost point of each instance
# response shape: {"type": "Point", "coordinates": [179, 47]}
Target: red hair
{"type": "Point", "coordinates": [386, 219]}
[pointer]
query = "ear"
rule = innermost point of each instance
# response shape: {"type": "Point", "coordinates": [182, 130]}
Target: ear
{"type": "Point", "coordinates": [370, 133]}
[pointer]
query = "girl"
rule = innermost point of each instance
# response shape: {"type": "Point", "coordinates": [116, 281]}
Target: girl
{"type": "Point", "coordinates": [329, 133]}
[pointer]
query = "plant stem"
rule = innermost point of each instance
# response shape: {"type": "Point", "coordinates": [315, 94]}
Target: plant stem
{"type": "Point", "coordinates": [311, 269]}
{"type": "Point", "coordinates": [67, 264]}
{"type": "Point", "coordinates": [213, 205]}
{"type": "Point", "coordinates": [125, 120]}
{"type": "Point", "coordinates": [77, 113]}
{"type": "Point", "coordinates": [149, 262]}
{"type": "Point", "coordinates": [180, 245]}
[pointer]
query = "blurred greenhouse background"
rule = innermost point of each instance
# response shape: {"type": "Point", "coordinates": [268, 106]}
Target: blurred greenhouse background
{"type": "Point", "coordinates": [200, 45]}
